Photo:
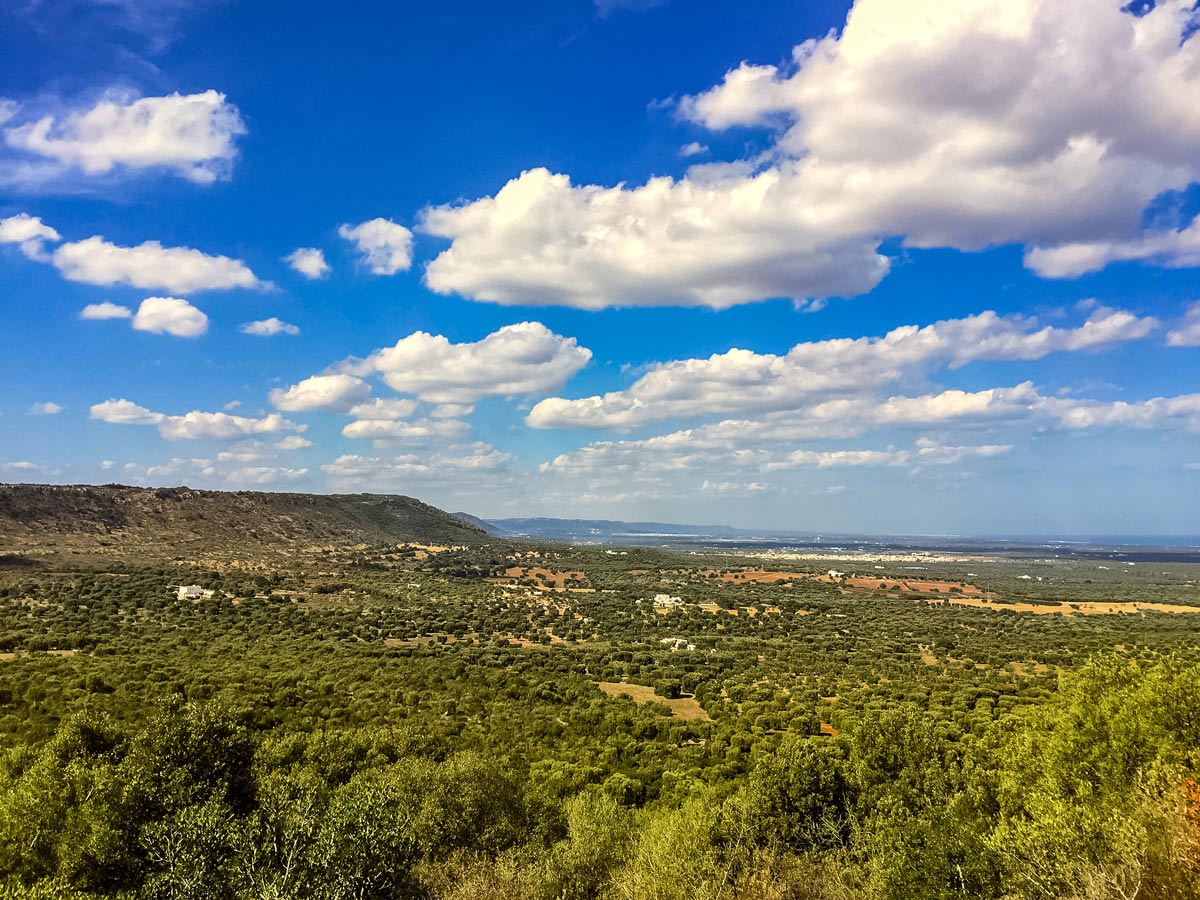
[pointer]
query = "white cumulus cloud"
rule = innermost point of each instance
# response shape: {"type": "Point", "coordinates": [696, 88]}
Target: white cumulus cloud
{"type": "Point", "coordinates": [401, 430]}
{"type": "Point", "coordinates": [293, 442]}
{"type": "Point", "coordinates": [1187, 332]}
{"type": "Point", "coordinates": [309, 262]}
{"type": "Point", "coordinates": [964, 125]}
{"type": "Point", "coordinates": [1157, 412]}
{"type": "Point", "coordinates": [150, 265]}
{"type": "Point", "coordinates": [193, 135]}
{"type": "Point", "coordinates": [385, 246]}
{"type": "Point", "coordinates": [356, 472]}
{"type": "Point", "coordinates": [744, 382]}
{"type": "Point", "coordinates": [1170, 249]}
{"type": "Point", "coordinates": [48, 408]}
{"type": "Point", "coordinates": [542, 240]}
{"type": "Point", "coordinates": [170, 315]}
{"type": "Point", "coordinates": [224, 472]}
{"type": "Point", "coordinates": [526, 358]}
{"type": "Point", "coordinates": [384, 408]}
{"type": "Point", "coordinates": [930, 452]}
{"type": "Point", "coordinates": [29, 233]}
{"type": "Point", "coordinates": [194, 425]}
{"type": "Point", "coordinates": [269, 327]}
{"type": "Point", "coordinates": [337, 393]}
{"type": "Point", "coordinates": [105, 310]}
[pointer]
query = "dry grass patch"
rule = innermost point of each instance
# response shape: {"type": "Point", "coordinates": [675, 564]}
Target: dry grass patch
{"type": "Point", "coordinates": [688, 708]}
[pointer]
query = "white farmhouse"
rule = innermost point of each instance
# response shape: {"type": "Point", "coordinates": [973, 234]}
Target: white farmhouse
{"type": "Point", "coordinates": [677, 643]}
{"type": "Point", "coordinates": [192, 592]}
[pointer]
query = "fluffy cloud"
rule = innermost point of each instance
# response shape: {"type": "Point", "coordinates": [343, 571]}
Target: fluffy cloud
{"type": "Point", "coordinates": [336, 393]}
{"type": "Point", "coordinates": [105, 310]}
{"type": "Point", "coordinates": [930, 452]}
{"type": "Point", "coordinates": [542, 240]}
{"type": "Point", "coordinates": [385, 246]}
{"type": "Point", "coordinates": [196, 425]}
{"type": "Point", "coordinates": [1182, 411]}
{"type": "Point", "coordinates": [738, 453]}
{"type": "Point", "coordinates": [150, 265]}
{"type": "Point", "coordinates": [49, 408]}
{"type": "Point", "coordinates": [170, 315]}
{"type": "Point", "coordinates": [193, 425]}
{"type": "Point", "coordinates": [125, 412]}
{"type": "Point", "coordinates": [218, 474]}
{"type": "Point", "coordinates": [260, 475]}
{"type": "Point", "coordinates": [180, 270]}
{"type": "Point", "coordinates": [838, 459]}
{"type": "Point", "coordinates": [293, 442]}
{"type": "Point", "coordinates": [526, 358]}
{"type": "Point", "coordinates": [950, 124]}
{"type": "Point", "coordinates": [248, 452]}
{"type": "Point", "coordinates": [381, 408]}
{"type": "Point", "coordinates": [853, 416]}
{"type": "Point", "coordinates": [448, 377]}
{"type": "Point", "coordinates": [251, 450]}
{"type": "Point", "coordinates": [400, 430]}
{"type": "Point", "coordinates": [949, 118]}
{"type": "Point", "coordinates": [172, 468]}
{"type": "Point", "coordinates": [355, 472]}
{"type": "Point", "coordinates": [1187, 332]}
{"type": "Point", "coordinates": [741, 381]}
{"type": "Point", "coordinates": [192, 135]}
{"type": "Point", "coordinates": [661, 462]}
{"type": "Point", "coordinates": [29, 233]}
{"type": "Point", "coordinates": [309, 262]}
{"type": "Point", "coordinates": [1172, 249]}
{"type": "Point", "coordinates": [269, 327]}
{"type": "Point", "coordinates": [157, 315]}
{"type": "Point", "coordinates": [732, 487]}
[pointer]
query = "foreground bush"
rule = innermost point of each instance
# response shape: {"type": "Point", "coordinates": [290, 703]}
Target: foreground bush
{"type": "Point", "coordinates": [1090, 796]}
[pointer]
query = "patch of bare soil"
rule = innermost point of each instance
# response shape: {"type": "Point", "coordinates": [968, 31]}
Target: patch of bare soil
{"type": "Point", "coordinates": [688, 707]}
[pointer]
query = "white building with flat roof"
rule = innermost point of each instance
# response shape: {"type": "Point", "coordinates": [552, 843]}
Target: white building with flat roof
{"type": "Point", "coordinates": [192, 592]}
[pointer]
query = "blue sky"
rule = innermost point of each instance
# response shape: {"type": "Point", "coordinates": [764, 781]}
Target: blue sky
{"type": "Point", "coordinates": [875, 267]}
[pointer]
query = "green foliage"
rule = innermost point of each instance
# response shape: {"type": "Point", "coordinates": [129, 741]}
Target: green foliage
{"type": "Point", "coordinates": [1086, 793]}
{"type": "Point", "coordinates": [371, 724]}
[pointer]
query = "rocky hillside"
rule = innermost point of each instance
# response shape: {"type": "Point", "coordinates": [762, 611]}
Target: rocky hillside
{"type": "Point", "coordinates": [168, 523]}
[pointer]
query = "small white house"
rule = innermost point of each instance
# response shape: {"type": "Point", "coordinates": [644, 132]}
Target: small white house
{"type": "Point", "coordinates": [192, 592]}
{"type": "Point", "coordinates": [678, 643]}
{"type": "Point", "coordinates": [666, 601]}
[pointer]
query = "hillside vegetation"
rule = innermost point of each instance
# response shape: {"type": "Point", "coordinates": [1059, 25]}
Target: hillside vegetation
{"type": "Point", "coordinates": [165, 523]}
{"type": "Point", "coordinates": [446, 718]}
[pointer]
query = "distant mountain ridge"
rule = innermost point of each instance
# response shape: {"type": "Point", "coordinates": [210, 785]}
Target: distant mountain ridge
{"type": "Point", "coordinates": [165, 522]}
{"type": "Point", "coordinates": [477, 522]}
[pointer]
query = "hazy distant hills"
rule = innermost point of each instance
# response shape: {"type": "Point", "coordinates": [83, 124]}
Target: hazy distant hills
{"type": "Point", "coordinates": [170, 522]}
